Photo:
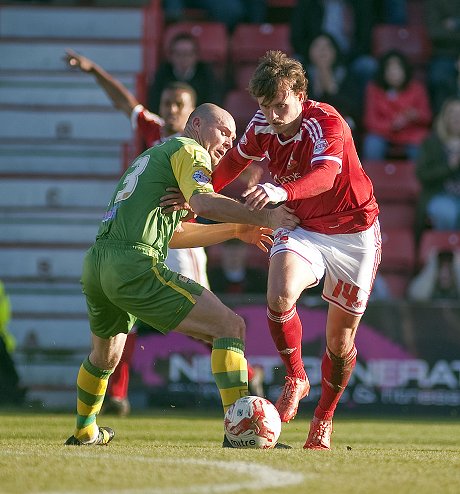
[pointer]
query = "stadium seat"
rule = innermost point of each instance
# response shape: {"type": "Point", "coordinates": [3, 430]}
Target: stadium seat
{"type": "Point", "coordinates": [242, 106]}
{"type": "Point", "coordinates": [398, 259]}
{"type": "Point", "coordinates": [212, 39]}
{"type": "Point", "coordinates": [393, 180]}
{"type": "Point", "coordinates": [396, 214]}
{"type": "Point", "coordinates": [397, 284]}
{"type": "Point", "coordinates": [412, 40]}
{"type": "Point", "coordinates": [398, 251]}
{"type": "Point", "coordinates": [437, 240]}
{"type": "Point", "coordinates": [242, 74]}
{"type": "Point", "coordinates": [250, 41]}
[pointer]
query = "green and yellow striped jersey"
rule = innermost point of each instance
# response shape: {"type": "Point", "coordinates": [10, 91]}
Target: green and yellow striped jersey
{"type": "Point", "coordinates": [134, 215]}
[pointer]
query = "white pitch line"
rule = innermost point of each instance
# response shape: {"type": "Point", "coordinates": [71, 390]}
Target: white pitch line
{"type": "Point", "coordinates": [259, 476]}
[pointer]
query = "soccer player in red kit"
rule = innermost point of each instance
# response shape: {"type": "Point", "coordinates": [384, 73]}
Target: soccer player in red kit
{"type": "Point", "coordinates": [311, 156]}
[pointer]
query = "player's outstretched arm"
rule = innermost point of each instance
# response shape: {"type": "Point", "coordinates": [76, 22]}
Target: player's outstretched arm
{"type": "Point", "coordinates": [120, 95]}
{"type": "Point", "coordinates": [226, 210]}
{"type": "Point", "coordinates": [198, 235]}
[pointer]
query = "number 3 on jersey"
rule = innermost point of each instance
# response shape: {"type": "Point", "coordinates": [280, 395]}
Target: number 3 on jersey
{"type": "Point", "coordinates": [130, 181]}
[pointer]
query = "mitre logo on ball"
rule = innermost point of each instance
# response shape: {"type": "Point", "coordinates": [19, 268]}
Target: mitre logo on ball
{"type": "Point", "coordinates": [252, 422]}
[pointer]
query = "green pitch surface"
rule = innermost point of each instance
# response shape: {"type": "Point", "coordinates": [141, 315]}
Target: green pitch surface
{"type": "Point", "coordinates": [178, 453]}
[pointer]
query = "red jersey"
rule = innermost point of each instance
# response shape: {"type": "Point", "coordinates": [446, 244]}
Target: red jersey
{"type": "Point", "coordinates": [323, 141]}
{"type": "Point", "coordinates": [148, 124]}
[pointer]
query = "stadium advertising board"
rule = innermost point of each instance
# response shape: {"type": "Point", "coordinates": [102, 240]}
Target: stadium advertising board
{"type": "Point", "coordinates": [408, 356]}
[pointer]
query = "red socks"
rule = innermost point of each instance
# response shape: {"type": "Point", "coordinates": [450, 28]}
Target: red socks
{"type": "Point", "coordinates": [286, 331]}
{"type": "Point", "coordinates": [336, 373]}
{"type": "Point", "coordinates": [119, 380]}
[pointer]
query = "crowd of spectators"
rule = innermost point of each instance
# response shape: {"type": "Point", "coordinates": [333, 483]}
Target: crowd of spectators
{"type": "Point", "coordinates": [398, 108]}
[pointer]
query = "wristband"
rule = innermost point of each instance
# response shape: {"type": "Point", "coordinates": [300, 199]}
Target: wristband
{"type": "Point", "coordinates": [275, 194]}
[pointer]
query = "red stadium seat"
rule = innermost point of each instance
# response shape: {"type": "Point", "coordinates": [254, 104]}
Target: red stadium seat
{"type": "Point", "coordinates": [242, 74]}
{"type": "Point", "coordinates": [212, 39]}
{"type": "Point", "coordinates": [396, 215]}
{"type": "Point", "coordinates": [397, 283]}
{"type": "Point", "coordinates": [398, 251]}
{"type": "Point", "coordinates": [393, 180]}
{"type": "Point", "coordinates": [437, 240]}
{"type": "Point", "coordinates": [242, 106]}
{"type": "Point", "coordinates": [412, 40]}
{"type": "Point", "coordinates": [250, 41]}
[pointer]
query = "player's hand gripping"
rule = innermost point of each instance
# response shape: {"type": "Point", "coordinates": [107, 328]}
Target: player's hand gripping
{"type": "Point", "coordinates": [174, 201]}
{"type": "Point", "coordinates": [258, 196]}
{"type": "Point", "coordinates": [282, 217]}
{"type": "Point", "coordinates": [257, 235]}
{"type": "Point", "coordinates": [74, 59]}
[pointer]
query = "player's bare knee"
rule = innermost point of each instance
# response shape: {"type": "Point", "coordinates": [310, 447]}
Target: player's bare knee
{"type": "Point", "coordinates": [280, 302]}
{"type": "Point", "coordinates": [340, 347]}
{"type": "Point", "coordinates": [106, 362]}
{"type": "Point", "coordinates": [235, 327]}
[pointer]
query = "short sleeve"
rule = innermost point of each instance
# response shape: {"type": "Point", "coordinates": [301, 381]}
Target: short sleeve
{"type": "Point", "coordinates": [191, 166]}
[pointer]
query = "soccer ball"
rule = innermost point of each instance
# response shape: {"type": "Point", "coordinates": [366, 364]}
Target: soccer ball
{"type": "Point", "coordinates": [252, 422]}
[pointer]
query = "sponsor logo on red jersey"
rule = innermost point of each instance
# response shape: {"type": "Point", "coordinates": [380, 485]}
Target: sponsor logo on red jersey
{"type": "Point", "coordinates": [288, 178]}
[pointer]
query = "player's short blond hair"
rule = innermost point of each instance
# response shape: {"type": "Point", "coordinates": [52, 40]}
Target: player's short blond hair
{"type": "Point", "coordinates": [276, 71]}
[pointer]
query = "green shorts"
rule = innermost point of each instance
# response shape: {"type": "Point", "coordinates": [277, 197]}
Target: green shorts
{"type": "Point", "coordinates": [123, 282]}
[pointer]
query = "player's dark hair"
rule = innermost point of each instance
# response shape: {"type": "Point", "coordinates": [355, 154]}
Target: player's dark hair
{"type": "Point", "coordinates": [181, 86]}
{"type": "Point", "coordinates": [277, 71]}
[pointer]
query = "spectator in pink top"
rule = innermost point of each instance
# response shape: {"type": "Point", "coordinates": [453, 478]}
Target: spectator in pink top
{"type": "Point", "coordinates": [396, 109]}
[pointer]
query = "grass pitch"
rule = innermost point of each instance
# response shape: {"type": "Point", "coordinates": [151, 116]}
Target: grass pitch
{"type": "Point", "coordinates": [180, 453]}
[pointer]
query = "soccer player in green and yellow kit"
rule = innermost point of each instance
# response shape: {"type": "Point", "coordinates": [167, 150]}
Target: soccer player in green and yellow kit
{"type": "Point", "coordinates": [124, 276]}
